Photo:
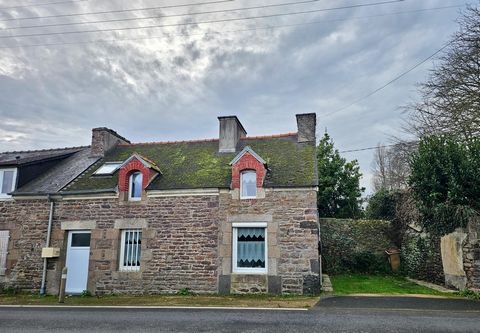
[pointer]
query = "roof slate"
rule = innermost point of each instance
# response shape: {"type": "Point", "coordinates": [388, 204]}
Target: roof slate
{"type": "Point", "coordinates": [17, 158]}
{"type": "Point", "coordinates": [198, 164]}
{"type": "Point", "coordinates": [61, 174]}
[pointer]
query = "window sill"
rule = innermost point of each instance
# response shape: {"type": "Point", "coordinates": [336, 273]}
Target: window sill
{"type": "Point", "coordinates": [250, 272]}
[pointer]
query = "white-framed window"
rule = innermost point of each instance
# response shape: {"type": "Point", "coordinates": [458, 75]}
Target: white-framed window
{"type": "Point", "coordinates": [108, 168]}
{"type": "Point", "coordinates": [4, 237]}
{"type": "Point", "coordinates": [248, 184]}
{"type": "Point", "coordinates": [135, 186]}
{"type": "Point", "coordinates": [130, 250]}
{"type": "Point", "coordinates": [8, 180]}
{"type": "Point", "coordinates": [249, 252]}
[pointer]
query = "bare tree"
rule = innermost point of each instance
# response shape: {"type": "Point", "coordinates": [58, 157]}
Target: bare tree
{"type": "Point", "coordinates": [391, 166]}
{"type": "Point", "coordinates": [450, 98]}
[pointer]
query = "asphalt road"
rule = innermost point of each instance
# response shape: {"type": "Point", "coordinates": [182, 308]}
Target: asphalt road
{"type": "Point", "coordinates": [340, 314]}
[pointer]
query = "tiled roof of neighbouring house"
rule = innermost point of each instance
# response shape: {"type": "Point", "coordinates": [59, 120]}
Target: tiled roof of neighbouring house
{"type": "Point", "coordinates": [60, 175]}
{"type": "Point", "coordinates": [198, 164]}
{"type": "Point", "coordinates": [16, 158]}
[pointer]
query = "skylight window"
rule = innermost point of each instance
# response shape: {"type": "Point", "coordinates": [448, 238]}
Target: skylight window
{"type": "Point", "coordinates": [108, 168]}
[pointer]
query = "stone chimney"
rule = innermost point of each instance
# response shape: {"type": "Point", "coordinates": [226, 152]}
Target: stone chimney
{"type": "Point", "coordinates": [104, 139]}
{"type": "Point", "coordinates": [306, 124]}
{"type": "Point", "coordinates": [231, 130]}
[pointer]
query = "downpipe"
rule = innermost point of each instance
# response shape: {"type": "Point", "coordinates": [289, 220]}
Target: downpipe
{"type": "Point", "coordinates": [43, 287]}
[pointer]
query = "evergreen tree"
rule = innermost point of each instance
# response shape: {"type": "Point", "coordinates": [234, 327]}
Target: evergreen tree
{"type": "Point", "coordinates": [339, 183]}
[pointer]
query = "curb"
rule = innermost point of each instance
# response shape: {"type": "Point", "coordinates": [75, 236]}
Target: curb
{"type": "Point", "coordinates": [149, 307]}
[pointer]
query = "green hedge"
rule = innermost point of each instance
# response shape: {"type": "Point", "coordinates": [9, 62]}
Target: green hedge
{"type": "Point", "coordinates": [350, 246]}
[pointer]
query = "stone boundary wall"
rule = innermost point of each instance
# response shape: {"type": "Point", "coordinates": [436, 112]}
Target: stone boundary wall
{"type": "Point", "coordinates": [471, 255]}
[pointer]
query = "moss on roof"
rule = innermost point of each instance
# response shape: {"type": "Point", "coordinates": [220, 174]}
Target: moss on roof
{"type": "Point", "coordinates": [199, 165]}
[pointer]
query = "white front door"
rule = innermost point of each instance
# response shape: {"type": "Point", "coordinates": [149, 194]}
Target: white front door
{"type": "Point", "coordinates": [78, 254]}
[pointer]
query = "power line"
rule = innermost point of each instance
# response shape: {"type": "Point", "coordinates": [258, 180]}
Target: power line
{"type": "Point", "coordinates": [204, 22]}
{"type": "Point", "coordinates": [116, 11]}
{"type": "Point", "coordinates": [230, 31]}
{"type": "Point", "coordinates": [42, 4]}
{"type": "Point", "coordinates": [376, 147]}
{"type": "Point", "coordinates": [165, 16]}
{"type": "Point", "coordinates": [418, 64]}
{"type": "Point", "coordinates": [367, 148]}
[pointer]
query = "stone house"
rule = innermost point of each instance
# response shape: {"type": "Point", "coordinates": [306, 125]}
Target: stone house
{"type": "Point", "coordinates": [230, 215]}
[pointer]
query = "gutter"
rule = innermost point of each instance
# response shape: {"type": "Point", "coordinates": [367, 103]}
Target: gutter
{"type": "Point", "coordinates": [47, 244]}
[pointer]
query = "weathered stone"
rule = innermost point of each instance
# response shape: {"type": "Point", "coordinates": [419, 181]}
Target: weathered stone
{"type": "Point", "coordinates": [274, 285]}
{"type": "Point", "coordinates": [224, 284]}
{"type": "Point", "coordinates": [311, 284]}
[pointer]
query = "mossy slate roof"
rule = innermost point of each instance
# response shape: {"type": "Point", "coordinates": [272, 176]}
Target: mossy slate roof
{"type": "Point", "coordinates": [190, 165]}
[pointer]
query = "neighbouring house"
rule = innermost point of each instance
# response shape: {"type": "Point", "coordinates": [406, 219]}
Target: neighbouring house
{"type": "Point", "coordinates": [230, 215]}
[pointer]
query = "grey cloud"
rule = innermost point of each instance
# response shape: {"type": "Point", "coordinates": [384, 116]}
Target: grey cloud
{"type": "Point", "coordinates": [174, 87]}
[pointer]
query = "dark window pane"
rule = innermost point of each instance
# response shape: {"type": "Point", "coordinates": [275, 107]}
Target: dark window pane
{"type": "Point", "coordinates": [80, 239]}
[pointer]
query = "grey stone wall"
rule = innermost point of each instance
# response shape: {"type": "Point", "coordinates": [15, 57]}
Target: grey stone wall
{"type": "Point", "coordinates": [27, 223]}
{"type": "Point", "coordinates": [292, 236]}
{"type": "Point", "coordinates": [471, 255]}
{"type": "Point", "coordinates": [186, 242]}
{"type": "Point", "coordinates": [179, 245]}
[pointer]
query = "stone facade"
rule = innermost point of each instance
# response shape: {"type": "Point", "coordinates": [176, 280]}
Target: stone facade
{"type": "Point", "coordinates": [186, 242]}
{"type": "Point", "coordinates": [292, 236]}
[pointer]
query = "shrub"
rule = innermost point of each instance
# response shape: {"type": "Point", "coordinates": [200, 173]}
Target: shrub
{"type": "Point", "coordinates": [8, 291]}
{"type": "Point", "coordinates": [86, 293]}
{"type": "Point", "coordinates": [184, 292]}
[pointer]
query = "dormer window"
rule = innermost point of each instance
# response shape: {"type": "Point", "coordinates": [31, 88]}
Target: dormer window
{"type": "Point", "coordinates": [248, 184]}
{"type": "Point", "coordinates": [8, 179]}
{"type": "Point", "coordinates": [135, 186]}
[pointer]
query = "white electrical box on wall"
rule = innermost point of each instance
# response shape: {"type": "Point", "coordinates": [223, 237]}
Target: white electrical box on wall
{"type": "Point", "coordinates": [50, 252]}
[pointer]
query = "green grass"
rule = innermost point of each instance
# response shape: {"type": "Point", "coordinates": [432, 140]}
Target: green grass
{"type": "Point", "coordinates": [378, 284]}
{"type": "Point", "coordinates": [270, 301]}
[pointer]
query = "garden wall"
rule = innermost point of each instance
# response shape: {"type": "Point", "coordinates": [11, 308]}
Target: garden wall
{"type": "Point", "coordinates": [354, 245]}
{"type": "Point", "coordinates": [421, 257]}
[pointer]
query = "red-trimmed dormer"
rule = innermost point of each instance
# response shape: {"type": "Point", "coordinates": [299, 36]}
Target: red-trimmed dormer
{"type": "Point", "coordinates": [248, 173]}
{"type": "Point", "coordinates": [134, 176]}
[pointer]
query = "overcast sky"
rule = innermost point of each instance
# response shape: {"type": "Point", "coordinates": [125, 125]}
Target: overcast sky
{"type": "Point", "coordinates": [171, 82]}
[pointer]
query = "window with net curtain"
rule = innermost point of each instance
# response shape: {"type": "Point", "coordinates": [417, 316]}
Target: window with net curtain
{"type": "Point", "coordinates": [249, 249]}
{"type": "Point", "coordinates": [248, 184]}
{"type": "Point", "coordinates": [135, 188]}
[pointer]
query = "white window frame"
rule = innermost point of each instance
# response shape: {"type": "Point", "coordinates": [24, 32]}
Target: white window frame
{"type": "Point", "coordinates": [14, 182]}
{"type": "Point", "coordinates": [130, 187]}
{"type": "Point", "coordinates": [126, 268]}
{"type": "Point", "coordinates": [241, 184]}
{"type": "Point", "coordinates": [246, 270]}
{"type": "Point", "coordinates": [98, 173]}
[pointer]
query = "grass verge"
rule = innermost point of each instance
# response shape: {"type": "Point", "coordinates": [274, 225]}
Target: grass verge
{"type": "Point", "coordinates": [264, 301]}
{"type": "Point", "coordinates": [378, 284]}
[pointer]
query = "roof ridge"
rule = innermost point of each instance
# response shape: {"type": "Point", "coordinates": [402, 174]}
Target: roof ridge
{"type": "Point", "coordinates": [205, 140]}
{"type": "Point", "coordinates": [268, 136]}
{"type": "Point", "coordinates": [42, 150]}
{"type": "Point", "coordinates": [165, 142]}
